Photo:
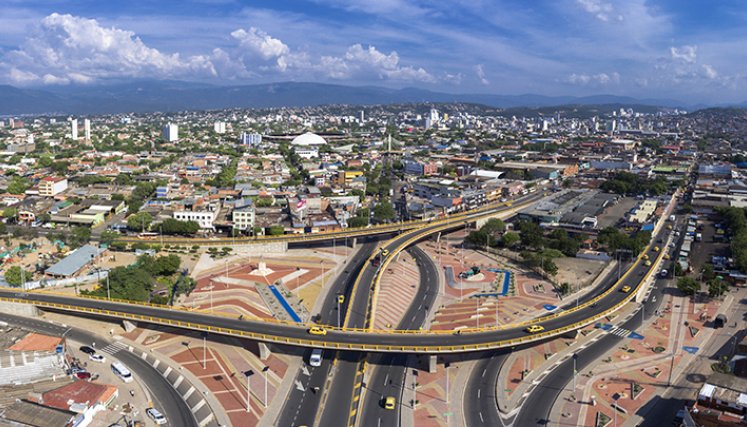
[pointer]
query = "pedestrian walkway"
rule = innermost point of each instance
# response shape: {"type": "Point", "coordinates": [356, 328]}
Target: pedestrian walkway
{"type": "Point", "coordinates": [114, 348]}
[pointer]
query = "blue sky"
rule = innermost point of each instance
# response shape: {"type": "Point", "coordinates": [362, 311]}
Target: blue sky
{"type": "Point", "coordinates": [687, 50]}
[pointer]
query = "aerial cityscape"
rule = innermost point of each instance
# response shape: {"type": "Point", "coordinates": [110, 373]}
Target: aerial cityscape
{"type": "Point", "coordinates": [366, 214]}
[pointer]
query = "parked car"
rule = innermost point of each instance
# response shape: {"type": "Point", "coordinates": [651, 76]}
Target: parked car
{"type": "Point", "coordinates": [87, 350]}
{"type": "Point", "coordinates": [83, 375]}
{"type": "Point", "coordinates": [97, 358]}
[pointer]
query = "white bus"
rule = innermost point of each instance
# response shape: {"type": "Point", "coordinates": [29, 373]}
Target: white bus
{"type": "Point", "coordinates": [122, 372]}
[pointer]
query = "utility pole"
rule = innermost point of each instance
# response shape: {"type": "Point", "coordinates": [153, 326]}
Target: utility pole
{"type": "Point", "coordinates": [248, 374]}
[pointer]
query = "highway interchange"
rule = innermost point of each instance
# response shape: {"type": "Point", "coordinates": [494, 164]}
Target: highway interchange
{"type": "Point", "coordinates": [336, 378]}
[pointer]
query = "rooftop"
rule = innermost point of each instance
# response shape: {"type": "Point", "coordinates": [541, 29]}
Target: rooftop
{"type": "Point", "coordinates": [72, 263]}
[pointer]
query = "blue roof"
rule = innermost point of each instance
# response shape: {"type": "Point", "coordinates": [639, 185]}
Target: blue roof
{"type": "Point", "coordinates": [75, 261]}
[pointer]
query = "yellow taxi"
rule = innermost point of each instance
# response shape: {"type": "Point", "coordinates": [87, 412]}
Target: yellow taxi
{"type": "Point", "coordinates": [645, 256]}
{"type": "Point", "coordinates": [384, 252]}
{"type": "Point", "coordinates": [625, 289]}
{"type": "Point", "coordinates": [390, 402]}
{"type": "Point", "coordinates": [535, 328]}
{"type": "Point", "coordinates": [648, 263]}
{"type": "Point", "coordinates": [656, 249]}
{"type": "Point", "coordinates": [317, 330]}
{"type": "Point", "coordinates": [669, 226]}
{"type": "Point", "coordinates": [666, 256]}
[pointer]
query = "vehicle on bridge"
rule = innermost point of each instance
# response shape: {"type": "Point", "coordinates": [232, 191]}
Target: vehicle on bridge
{"type": "Point", "coordinates": [317, 330]}
{"type": "Point", "coordinates": [535, 328]}
{"type": "Point", "coordinates": [384, 253]}
{"type": "Point", "coordinates": [390, 402]}
{"type": "Point", "coordinates": [625, 289]}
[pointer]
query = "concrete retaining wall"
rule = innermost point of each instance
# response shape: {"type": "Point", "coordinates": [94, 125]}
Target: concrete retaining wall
{"type": "Point", "coordinates": [19, 309]}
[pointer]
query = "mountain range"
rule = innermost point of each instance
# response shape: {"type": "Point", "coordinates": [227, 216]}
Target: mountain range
{"type": "Point", "coordinates": [167, 96]}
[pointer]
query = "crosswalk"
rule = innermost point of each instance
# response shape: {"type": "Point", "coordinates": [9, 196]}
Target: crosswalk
{"type": "Point", "coordinates": [620, 332]}
{"type": "Point", "coordinates": [114, 348]}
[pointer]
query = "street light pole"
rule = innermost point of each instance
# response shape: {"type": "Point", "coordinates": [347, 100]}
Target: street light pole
{"type": "Point", "coordinates": [249, 374]}
{"type": "Point", "coordinates": [265, 369]}
{"type": "Point", "coordinates": [446, 368]}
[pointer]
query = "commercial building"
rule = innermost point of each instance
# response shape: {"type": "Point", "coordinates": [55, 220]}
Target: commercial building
{"type": "Point", "coordinates": [51, 186]}
{"type": "Point", "coordinates": [252, 139]}
{"type": "Point", "coordinates": [219, 127]}
{"type": "Point", "coordinates": [243, 216]}
{"type": "Point", "coordinates": [87, 129]}
{"type": "Point", "coordinates": [74, 129]}
{"type": "Point", "coordinates": [74, 262]}
{"type": "Point", "coordinates": [171, 132]}
{"type": "Point", "coordinates": [203, 218]}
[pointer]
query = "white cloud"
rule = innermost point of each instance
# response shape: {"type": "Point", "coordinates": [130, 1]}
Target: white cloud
{"type": "Point", "coordinates": [685, 53]}
{"type": "Point", "coordinates": [600, 9]}
{"type": "Point", "coordinates": [259, 42]}
{"type": "Point", "coordinates": [65, 48]}
{"type": "Point", "coordinates": [601, 79]}
{"type": "Point", "coordinates": [360, 61]}
{"type": "Point", "coordinates": [481, 75]}
{"type": "Point", "coordinates": [710, 72]}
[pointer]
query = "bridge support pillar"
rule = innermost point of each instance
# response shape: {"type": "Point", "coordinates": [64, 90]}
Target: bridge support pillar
{"type": "Point", "coordinates": [128, 325]}
{"type": "Point", "coordinates": [353, 242]}
{"type": "Point", "coordinates": [432, 363]}
{"type": "Point", "coordinates": [264, 351]}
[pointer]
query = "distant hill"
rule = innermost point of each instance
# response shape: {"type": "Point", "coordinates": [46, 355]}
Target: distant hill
{"type": "Point", "coordinates": [166, 96]}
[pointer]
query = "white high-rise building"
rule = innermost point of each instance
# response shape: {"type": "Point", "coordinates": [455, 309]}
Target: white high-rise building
{"type": "Point", "coordinates": [252, 139]}
{"type": "Point", "coordinates": [363, 117]}
{"type": "Point", "coordinates": [171, 132]}
{"type": "Point", "coordinates": [219, 127]}
{"type": "Point", "coordinates": [434, 115]}
{"type": "Point", "coordinates": [74, 129]}
{"type": "Point", "coordinates": [87, 129]}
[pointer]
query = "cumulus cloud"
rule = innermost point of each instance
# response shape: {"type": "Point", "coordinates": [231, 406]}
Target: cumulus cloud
{"type": "Point", "coordinates": [259, 43]}
{"type": "Point", "coordinates": [64, 49]}
{"type": "Point", "coordinates": [481, 75]}
{"type": "Point", "coordinates": [601, 79]}
{"type": "Point", "coordinates": [386, 66]}
{"type": "Point", "coordinates": [685, 53]}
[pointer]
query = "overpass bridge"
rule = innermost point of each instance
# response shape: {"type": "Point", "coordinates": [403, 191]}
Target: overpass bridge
{"type": "Point", "coordinates": [368, 339]}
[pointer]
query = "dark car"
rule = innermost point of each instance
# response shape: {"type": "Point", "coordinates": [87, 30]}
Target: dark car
{"type": "Point", "coordinates": [83, 375]}
{"type": "Point", "coordinates": [87, 350]}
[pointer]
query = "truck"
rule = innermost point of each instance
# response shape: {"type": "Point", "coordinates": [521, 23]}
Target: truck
{"type": "Point", "coordinates": [376, 261]}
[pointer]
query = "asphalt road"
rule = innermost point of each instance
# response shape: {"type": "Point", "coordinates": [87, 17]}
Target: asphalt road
{"type": "Point", "coordinates": [165, 398]}
{"type": "Point", "coordinates": [303, 401]}
{"type": "Point", "coordinates": [480, 404]}
{"type": "Point", "coordinates": [426, 342]}
{"type": "Point", "coordinates": [390, 369]}
{"type": "Point", "coordinates": [535, 410]}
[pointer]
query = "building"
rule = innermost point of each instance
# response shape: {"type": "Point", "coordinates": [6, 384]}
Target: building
{"type": "Point", "coordinates": [722, 401]}
{"type": "Point", "coordinates": [87, 129]}
{"type": "Point", "coordinates": [203, 218]}
{"type": "Point", "coordinates": [81, 397]}
{"type": "Point", "coordinates": [308, 139]}
{"type": "Point", "coordinates": [306, 153]}
{"type": "Point", "coordinates": [74, 262]}
{"type": "Point", "coordinates": [51, 186]}
{"type": "Point", "coordinates": [252, 139]}
{"type": "Point", "coordinates": [171, 132]}
{"type": "Point", "coordinates": [219, 127]}
{"type": "Point", "coordinates": [413, 167]}
{"type": "Point", "coordinates": [243, 217]}
{"type": "Point", "coordinates": [74, 129]}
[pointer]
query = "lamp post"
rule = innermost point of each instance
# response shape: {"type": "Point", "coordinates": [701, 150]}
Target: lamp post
{"type": "Point", "coordinates": [264, 370]}
{"type": "Point", "coordinates": [248, 374]}
{"type": "Point", "coordinates": [575, 356]}
{"type": "Point", "coordinates": [446, 367]}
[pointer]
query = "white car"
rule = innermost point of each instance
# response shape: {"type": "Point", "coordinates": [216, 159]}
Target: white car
{"type": "Point", "coordinates": [97, 358]}
{"type": "Point", "coordinates": [156, 416]}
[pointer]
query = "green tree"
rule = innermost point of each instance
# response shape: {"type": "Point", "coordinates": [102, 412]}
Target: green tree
{"type": "Point", "coordinates": [531, 234]}
{"type": "Point", "coordinates": [129, 283]}
{"type": "Point", "coordinates": [276, 230]}
{"type": "Point", "coordinates": [140, 221]}
{"type": "Point", "coordinates": [15, 276]}
{"type": "Point", "coordinates": [688, 285]}
{"type": "Point", "coordinates": [10, 212]}
{"type": "Point", "coordinates": [510, 239]}
{"type": "Point", "coordinates": [174, 226]}
{"type": "Point", "coordinates": [383, 211]}
{"type": "Point", "coordinates": [717, 287]}
{"type": "Point", "coordinates": [18, 185]}
{"type": "Point", "coordinates": [79, 236]}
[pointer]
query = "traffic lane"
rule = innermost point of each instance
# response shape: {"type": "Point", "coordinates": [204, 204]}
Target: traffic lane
{"type": "Point", "coordinates": [340, 393]}
{"type": "Point", "coordinates": [167, 399]}
{"type": "Point", "coordinates": [536, 409]}
{"type": "Point", "coordinates": [302, 403]}
{"type": "Point", "coordinates": [480, 404]}
{"type": "Point", "coordinates": [332, 336]}
{"type": "Point", "coordinates": [390, 369]}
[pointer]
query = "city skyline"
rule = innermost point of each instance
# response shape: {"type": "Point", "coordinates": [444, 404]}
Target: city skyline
{"type": "Point", "coordinates": [576, 47]}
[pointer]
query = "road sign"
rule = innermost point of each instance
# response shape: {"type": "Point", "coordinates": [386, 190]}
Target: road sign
{"type": "Point", "coordinates": [635, 336]}
{"type": "Point", "coordinates": [604, 326]}
{"type": "Point", "coordinates": [550, 307]}
{"type": "Point", "coordinates": [691, 350]}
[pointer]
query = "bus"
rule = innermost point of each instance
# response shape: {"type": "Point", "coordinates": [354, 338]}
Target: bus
{"type": "Point", "coordinates": [147, 236]}
{"type": "Point", "coordinates": [122, 372]}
